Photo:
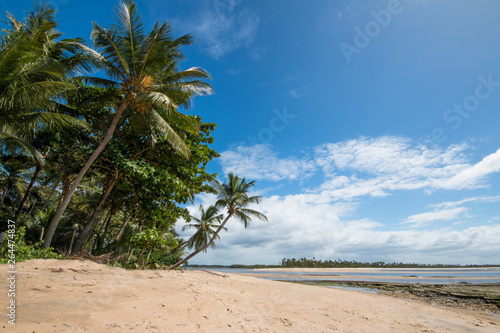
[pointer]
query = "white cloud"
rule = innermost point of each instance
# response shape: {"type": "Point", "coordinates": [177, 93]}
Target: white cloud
{"type": "Point", "coordinates": [319, 222]}
{"type": "Point", "coordinates": [380, 166]}
{"type": "Point", "coordinates": [422, 219]}
{"type": "Point", "coordinates": [224, 26]}
{"type": "Point", "coordinates": [304, 226]}
{"type": "Point", "coordinates": [487, 199]}
{"type": "Point", "coordinates": [374, 167]}
{"type": "Point", "coordinates": [389, 155]}
{"type": "Point", "coordinates": [474, 175]}
{"type": "Point", "coordinates": [262, 162]}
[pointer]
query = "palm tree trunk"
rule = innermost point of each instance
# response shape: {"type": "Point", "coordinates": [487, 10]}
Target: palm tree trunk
{"type": "Point", "coordinates": [32, 207]}
{"type": "Point", "coordinates": [62, 208]}
{"type": "Point", "coordinates": [64, 193]}
{"type": "Point", "coordinates": [130, 254]}
{"type": "Point", "coordinates": [28, 190]}
{"type": "Point", "coordinates": [147, 258]}
{"type": "Point", "coordinates": [140, 255]}
{"type": "Point", "coordinates": [50, 196]}
{"type": "Point", "coordinates": [72, 240]}
{"type": "Point", "coordinates": [112, 213]}
{"type": "Point", "coordinates": [203, 248]}
{"type": "Point", "coordinates": [131, 249]}
{"type": "Point", "coordinates": [81, 238]}
{"type": "Point", "coordinates": [180, 246]}
{"type": "Point", "coordinates": [122, 229]}
{"type": "Point", "coordinates": [41, 234]}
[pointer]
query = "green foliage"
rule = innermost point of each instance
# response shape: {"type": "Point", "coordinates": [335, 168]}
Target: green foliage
{"type": "Point", "coordinates": [163, 259]}
{"type": "Point", "coordinates": [151, 239]}
{"type": "Point", "coordinates": [157, 155]}
{"type": "Point", "coordinates": [313, 263]}
{"type": "Point", "coordinates": [16, 245]}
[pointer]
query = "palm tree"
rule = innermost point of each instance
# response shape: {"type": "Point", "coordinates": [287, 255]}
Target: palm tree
{"type": "Point", "coordinates": [205, 228]}
{"type": "Point", "coordinates": [144, 70]}
{"type": "Point", "coordinates": [34, 72]}
{"type": "Point", "coordinates": [233, 196]}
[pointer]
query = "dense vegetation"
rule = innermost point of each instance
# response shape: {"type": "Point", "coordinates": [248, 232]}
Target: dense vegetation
{"type": "Point", "coordinates": [313, 263]}
{"type": "Point", "coordinates": [104, 166]}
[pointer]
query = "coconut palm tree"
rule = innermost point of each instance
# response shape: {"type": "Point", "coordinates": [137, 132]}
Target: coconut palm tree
{"type": "Point", "coordinates": [35, 68]}
{"type": "Point", "coordinates": [205, 228]}
{"type": "Point", "coordinates": [234, 197]}
{"type": "Point", "coordinates": [143, 68]}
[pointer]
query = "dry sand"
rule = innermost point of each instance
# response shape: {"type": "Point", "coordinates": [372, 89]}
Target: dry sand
{"type": "Point", "coordinates": [82, 296]}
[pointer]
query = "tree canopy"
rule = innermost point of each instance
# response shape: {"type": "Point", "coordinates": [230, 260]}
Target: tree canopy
{"type": "Point", "coordinates": [104, 167]}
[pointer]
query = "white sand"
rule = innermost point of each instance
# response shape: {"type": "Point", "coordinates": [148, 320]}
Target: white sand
{"type": "Point", "coordinates": [82, 296]}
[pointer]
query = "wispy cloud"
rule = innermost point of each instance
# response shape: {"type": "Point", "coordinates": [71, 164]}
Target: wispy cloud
{"type": "Point", "coordinates": [424, 219]}
{"type": "Point", "coordinates": [262, 162]}
{"type": "Point", "coordinates": [450, 204]}
{"type": "Point", "coordinates": [473, 175]}
{"type": "Point", "coordinates": [373, 167]}
{"type": "Point", "coordinates": [224, 26]}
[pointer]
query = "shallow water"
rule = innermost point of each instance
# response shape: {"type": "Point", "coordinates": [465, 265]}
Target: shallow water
{"type": "Point", "coordinates": [424, 276]}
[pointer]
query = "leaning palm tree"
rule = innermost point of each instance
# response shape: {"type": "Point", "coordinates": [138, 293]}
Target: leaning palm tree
{"type": "Point", "coordinates": [234, 197]}
{"type": "Point", "coordinates": [143, 68]}
{"type": "Point", "coordinates": [35, 67]}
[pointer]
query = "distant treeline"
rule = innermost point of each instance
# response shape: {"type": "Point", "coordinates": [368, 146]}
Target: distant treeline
{"type": "Point", "coordinates": [236, 266]}
{"type": "Point", "coordinates": [312, 263]}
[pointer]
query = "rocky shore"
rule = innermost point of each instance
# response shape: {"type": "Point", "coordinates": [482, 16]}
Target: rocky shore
{"type": "Point", "coordinates": [480, 296]}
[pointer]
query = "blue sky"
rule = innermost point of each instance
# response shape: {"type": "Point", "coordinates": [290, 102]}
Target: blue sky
{"type": "Point", "coordinates": [370, 127]}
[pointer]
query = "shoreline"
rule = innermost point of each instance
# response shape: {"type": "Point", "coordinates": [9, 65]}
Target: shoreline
{"type": "Point", "coordinates": [368, 269]}
{"type": "Point", "coordinates": [362, 277]}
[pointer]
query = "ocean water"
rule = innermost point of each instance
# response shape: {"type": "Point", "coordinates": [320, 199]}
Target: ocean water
{"type": "Point", "coordinates": [424, 276]}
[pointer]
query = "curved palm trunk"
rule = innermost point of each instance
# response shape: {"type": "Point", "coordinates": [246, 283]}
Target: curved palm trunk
{"type": "Point", "coordinates": [112, 213]}
{"type": "Point", "coordinates": [88, 226]}
{"type": "Point", "coordinates": [180, 246]}
{"type": "Point", "coordinates": [124, 225]}
{"type": "Point", "coordinates": [203, 248]}
{"type": "Point", "coordinates": [28, 190]}
{"type": "Point", "coordinates": [62, 208]}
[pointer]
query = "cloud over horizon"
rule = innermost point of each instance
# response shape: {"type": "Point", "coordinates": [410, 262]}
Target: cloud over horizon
{"type": "Point", "coordinates": [319, 221]}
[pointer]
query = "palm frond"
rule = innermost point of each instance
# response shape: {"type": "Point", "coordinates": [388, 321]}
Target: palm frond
{"type": "Point", "coordinates": [25, 122]}
{"type": "Point", "coordinates": [164, 128]}
{"type": "Point", "coordinates": [129, 26]}
{"type": "Point", "coordinates": [157, 98]}
{"type": "Point", "coordinates": [98, 82]}
{"type": "Point", "coordinates": [14, 145]}
{"type": "Point", "coordinates": [108, 41]}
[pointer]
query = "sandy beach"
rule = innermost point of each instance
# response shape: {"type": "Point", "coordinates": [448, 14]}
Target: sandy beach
{"type": "Point", "coordinates": [83, 296]}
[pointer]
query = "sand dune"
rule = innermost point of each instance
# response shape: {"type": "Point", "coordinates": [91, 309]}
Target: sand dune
{"type": "Point", "coordinates": [82, 296]}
